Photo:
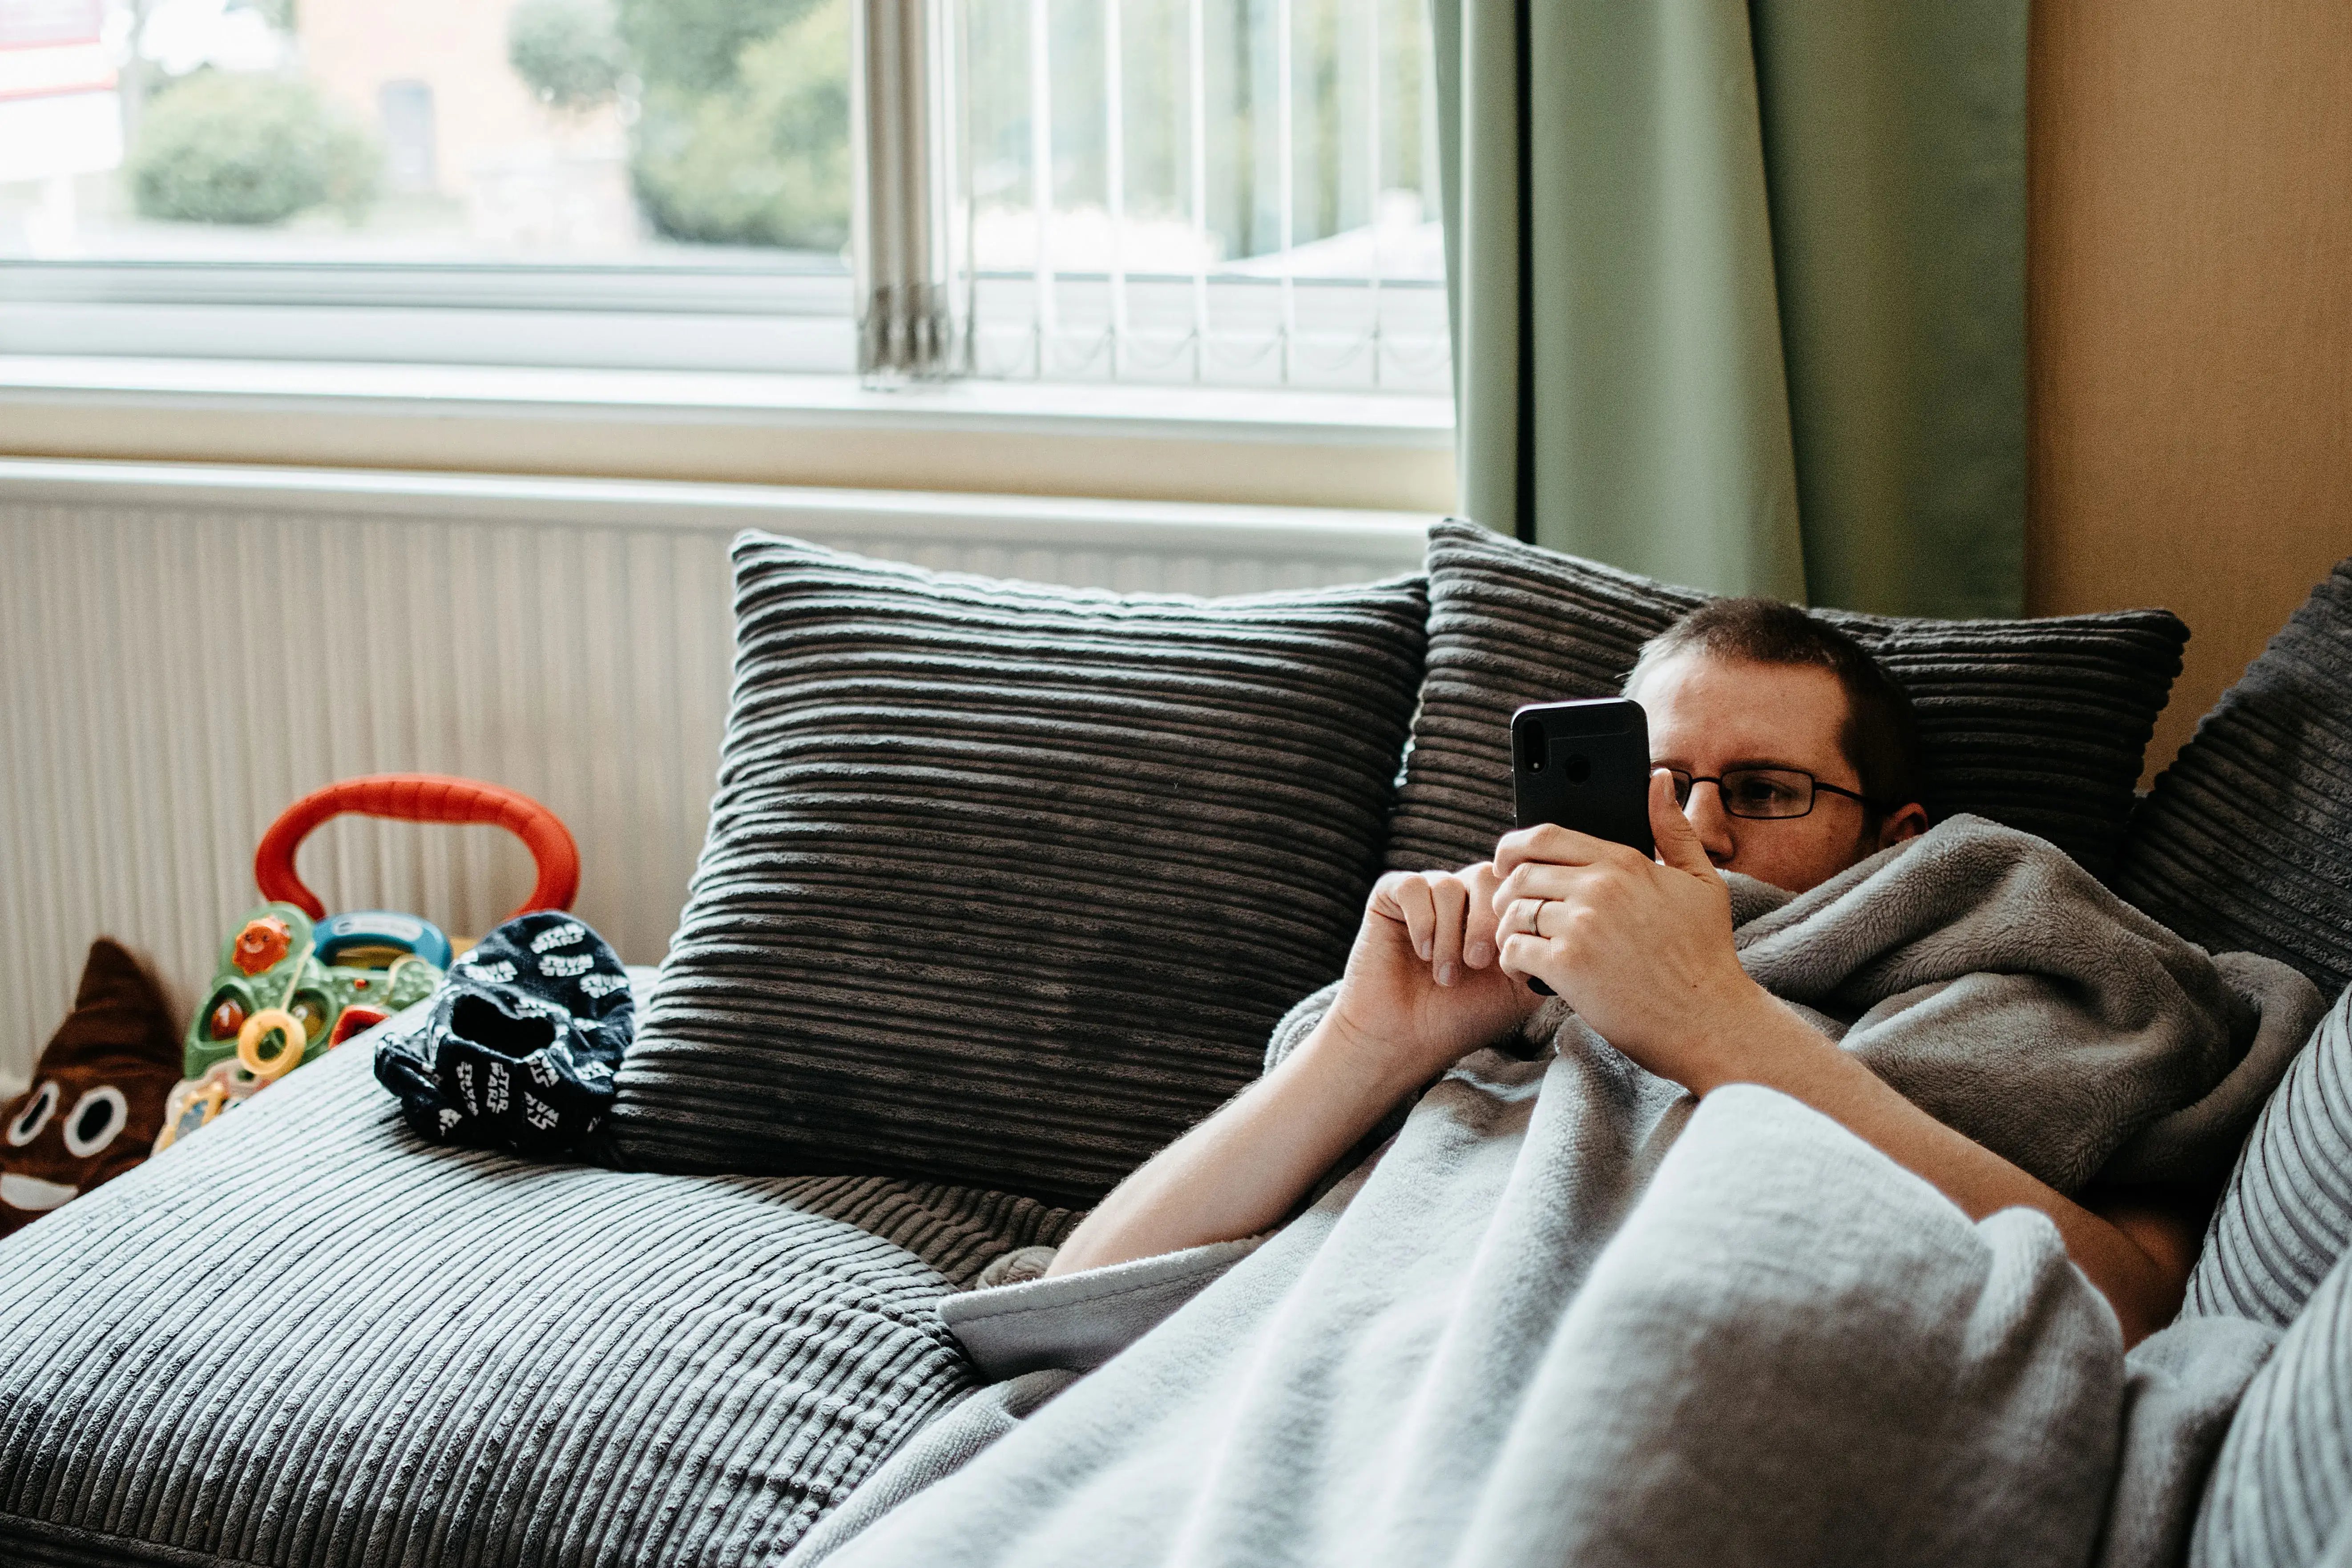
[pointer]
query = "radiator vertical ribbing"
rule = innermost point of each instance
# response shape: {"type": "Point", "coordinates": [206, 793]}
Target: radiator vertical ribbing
{"type": "Point", "coordinates": [175, 671]}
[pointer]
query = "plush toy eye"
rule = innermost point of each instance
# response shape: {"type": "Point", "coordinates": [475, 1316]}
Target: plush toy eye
{"type": "Point", "coordinates": [35, 1116]}
{"type": "Point", "coordinates": [97, 1117]}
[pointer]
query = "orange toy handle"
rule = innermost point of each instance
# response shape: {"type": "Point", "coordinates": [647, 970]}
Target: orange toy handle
{"type": "Point", "coordinates": [420, 798]}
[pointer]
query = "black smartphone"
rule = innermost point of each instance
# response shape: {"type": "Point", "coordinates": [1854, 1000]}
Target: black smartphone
{"type": "Point", "coordinates": [1583, 765]}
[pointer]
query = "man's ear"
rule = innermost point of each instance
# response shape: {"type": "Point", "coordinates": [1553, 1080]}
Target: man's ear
{"type": "Point", "coordinates": [1906, 822]}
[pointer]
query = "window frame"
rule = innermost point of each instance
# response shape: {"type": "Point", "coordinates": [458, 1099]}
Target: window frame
{"type": "Point", "coordinates": [718, 315]}
{"type": "Point", "coordinates": [1377, 451]}
{"type": "Point", "coordinates": [365, 361]}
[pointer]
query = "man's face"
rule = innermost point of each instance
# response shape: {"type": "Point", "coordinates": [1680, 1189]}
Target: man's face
{"type": "Point", "coordinates": [1707, 715]}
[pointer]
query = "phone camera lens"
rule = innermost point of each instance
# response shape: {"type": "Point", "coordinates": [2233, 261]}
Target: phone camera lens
{"type": "Point", "coordinates": [1531, 747]}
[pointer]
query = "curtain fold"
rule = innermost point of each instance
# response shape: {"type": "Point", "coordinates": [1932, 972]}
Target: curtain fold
{"type": "Point", "coordinates": [1737, 289]}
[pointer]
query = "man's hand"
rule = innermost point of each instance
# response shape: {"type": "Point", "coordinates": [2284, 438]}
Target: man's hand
{"type": "Point", "coordinates": [1424, 986]}
{"type": "Point", "coordinates": [1423, 989]}
{"type": "Point", "coordinates": [1641, 949]}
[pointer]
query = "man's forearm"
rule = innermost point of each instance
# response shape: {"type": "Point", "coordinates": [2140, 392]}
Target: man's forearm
{"type": "Point", "coordinates": [1780, 1050]}
{"type": "Point", "coordinates": [1244, 1168]}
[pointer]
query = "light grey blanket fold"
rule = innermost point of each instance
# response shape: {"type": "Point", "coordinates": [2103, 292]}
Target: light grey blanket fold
{"type": "Point", "coordinates": [2002, 989]}
{"type": "Point", "coordinates": [1571, 1315]}
{"type": "Point", "coordinates": [1791, 1351]}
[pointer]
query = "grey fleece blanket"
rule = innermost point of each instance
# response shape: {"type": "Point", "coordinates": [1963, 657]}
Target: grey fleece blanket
{"type": "Point", "coordinates": [1569, 1315]}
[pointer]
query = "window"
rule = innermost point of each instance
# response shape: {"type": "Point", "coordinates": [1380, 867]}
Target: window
{"type": "Point", "coordinates": [1218, 192]}
{"type": "Point", "coordinates": [629, 184]}
{"type": "Point", "coordinates": [438, 130]}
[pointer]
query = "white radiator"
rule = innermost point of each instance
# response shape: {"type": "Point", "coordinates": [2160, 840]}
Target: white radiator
{"type": "Point", "coordinates": [185, 650]}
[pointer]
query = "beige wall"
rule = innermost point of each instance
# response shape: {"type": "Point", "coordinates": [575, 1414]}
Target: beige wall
{"type": "Point", "coordinates": [2191, 303]}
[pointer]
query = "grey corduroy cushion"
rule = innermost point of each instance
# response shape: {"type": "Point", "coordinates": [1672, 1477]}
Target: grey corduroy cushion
{"type": "Point", "coordinates": [1006, 883]}
{"type": "Point", "coordinates": [2286, 1218]}
{"type": "Point", "coordinates": [2246, 840]}
{"type": "Point", "coordinates": [2280, 1492]}
{"type": "Point", "coordinates": [2039, 724]}
{"type": "Point", "coordinates": [305, 1336]}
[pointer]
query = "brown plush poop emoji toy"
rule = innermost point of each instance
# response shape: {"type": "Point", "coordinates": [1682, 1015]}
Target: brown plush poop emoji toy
{"type": "Point", "coordinates": [96, 1100]}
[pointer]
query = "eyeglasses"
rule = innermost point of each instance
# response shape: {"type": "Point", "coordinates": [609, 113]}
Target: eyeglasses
{"type": "Point", "coordinates": [1766, 792]}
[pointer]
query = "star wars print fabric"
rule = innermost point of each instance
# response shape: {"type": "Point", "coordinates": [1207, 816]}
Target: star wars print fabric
{"type": "Point", "coordinates": [522, 1043]}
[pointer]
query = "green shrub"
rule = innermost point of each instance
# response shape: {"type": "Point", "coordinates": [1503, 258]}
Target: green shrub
{"type": "Point", "coordinates": [763, 160]}
{"type": "Point", "coordinates": [216, 148]}
{"type": "Point", "coordinates": [694, 45]}
{"type": "Point", "coordinates": [567, 51]}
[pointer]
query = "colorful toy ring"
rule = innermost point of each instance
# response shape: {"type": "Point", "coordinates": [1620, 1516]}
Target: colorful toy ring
{"type": "Point", "coordinates": [248, 1043]}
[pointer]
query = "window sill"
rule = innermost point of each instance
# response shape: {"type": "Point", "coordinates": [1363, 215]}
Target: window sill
{"type": "Point", "coordinates": [1175, 443]}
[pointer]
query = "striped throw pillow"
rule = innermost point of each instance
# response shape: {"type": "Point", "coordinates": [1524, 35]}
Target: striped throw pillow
{"type": "Point", "coordinates": [2246, 840]}
{"type": "Point", "coordinates": [2286, 1217]}
{"type": "Point", "coordinates": [2040, 724]}
{"type": "Point", "coordinates": [2281, 1493]}
{"type": "Point", "coordinates": [1005, 884]}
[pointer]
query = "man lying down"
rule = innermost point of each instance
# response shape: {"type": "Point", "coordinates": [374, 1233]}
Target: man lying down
{"type": "Point", "coordinates": [1807, 1233]}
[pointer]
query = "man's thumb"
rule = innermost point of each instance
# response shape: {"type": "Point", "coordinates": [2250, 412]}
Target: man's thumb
{"type": "Point", "coordinates": [1678, 844]}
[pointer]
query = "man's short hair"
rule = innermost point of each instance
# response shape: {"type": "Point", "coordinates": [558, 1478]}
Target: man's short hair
{"type": "Point", "coordinates": [1881, 735]}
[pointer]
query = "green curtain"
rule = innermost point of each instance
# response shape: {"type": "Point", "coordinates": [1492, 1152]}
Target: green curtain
{"type": "Point", "coordinates": [1738, 289]}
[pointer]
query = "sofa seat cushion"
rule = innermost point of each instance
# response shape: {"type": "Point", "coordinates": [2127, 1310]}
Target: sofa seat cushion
{"type": "Point", "coordinates": [304, 1336]}
{"type": "Point", "coordinates": [2038, 724]}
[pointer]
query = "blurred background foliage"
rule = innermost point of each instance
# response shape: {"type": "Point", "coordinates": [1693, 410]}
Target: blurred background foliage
{"type": "Point", "coordinates": [568, 52]}
{"type": "Point", "coordinates": [737, 109]}
{"type": "Point", "coordinates": [214, 147]}
{"type": "Point", "coordinates": [741, 131]}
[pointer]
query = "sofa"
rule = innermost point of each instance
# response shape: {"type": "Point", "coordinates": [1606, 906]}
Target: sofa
{"type": "Point", "coordinates": [1005, 885]}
